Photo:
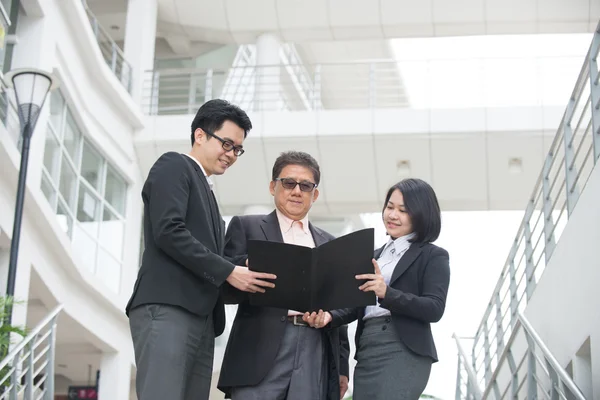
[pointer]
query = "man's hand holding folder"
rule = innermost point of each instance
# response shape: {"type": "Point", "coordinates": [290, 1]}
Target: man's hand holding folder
{"type": "Point", "coordinates": [313, 279]}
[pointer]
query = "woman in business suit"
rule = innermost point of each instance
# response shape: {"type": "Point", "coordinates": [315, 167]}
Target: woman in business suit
{"type": "Point", "coordinates": [394, 344]}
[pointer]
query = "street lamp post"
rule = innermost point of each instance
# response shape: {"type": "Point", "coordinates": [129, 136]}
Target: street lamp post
{"type": "Point", "coordinates": [31, 88]}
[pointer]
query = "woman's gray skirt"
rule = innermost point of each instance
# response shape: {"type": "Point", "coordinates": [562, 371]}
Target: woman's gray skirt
{"type": "Point", "coordinates": [386, 369]}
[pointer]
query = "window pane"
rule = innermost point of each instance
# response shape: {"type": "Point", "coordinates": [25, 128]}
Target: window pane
{"type": "Point", "coordinates": [88, 211]}
{"type": "Point", "coordinates": [112, 232]}
{"type": "Point", "coordinates": [91, 164]}
{"type": "Point", "coordinates": [115, 192]}
{"type": "Point", "coordinates": [84, 248]}
{"type": "Point", "coordinates": [48, 190]}
{"type": "Point", "coordinates": [57, 106]}
{"type": "Point", "coordinates": [109, 270]}
{"type": "Point", "coordinates": [51, 155]}
{"type": "Point", "coordinates": [72, 138]}
{"type": "Point", "coordinates": [68, 183]}
{"type": "Point", "coordinates": [65, 221]}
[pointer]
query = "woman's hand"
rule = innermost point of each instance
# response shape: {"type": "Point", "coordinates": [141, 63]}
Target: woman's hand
{"type": "Point", "coordinates": [375, 282]}
{"type": "Point", "coordinates": [317, 320]}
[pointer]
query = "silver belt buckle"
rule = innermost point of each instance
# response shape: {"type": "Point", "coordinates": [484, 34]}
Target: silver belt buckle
{"type": "Point", "coordinates": [301, 323]}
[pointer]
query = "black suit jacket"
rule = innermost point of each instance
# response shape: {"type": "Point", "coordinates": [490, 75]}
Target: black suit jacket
{"type": "Point", "coordinates": [182, 263]}
{"type": "Point", "coordinates": [257, 331]}
{"type": "Point", "coordinates": [416, 297]}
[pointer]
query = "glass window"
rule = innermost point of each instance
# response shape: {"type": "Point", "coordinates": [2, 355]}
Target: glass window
{"type": "Point", "coordinates": [65, 220]}
{"type": "Point", "coordinates": [48, 190]}
{"type": "Point", "coordinates": [72, 138]}
{"type": "Point", "coordinates": [87, 194]}
{"type": "Point", "coordinates": [88, 210]}
{"type": "Point", "coordinates": [91, 166]}
{"type": "Point", "coordinates": [115, 191]}
{"type": "Point", "coordinates": [112, 233]}
{"type": "Point", "coordinates": [52, 155]}
{"type": "Point", "coordinates": [68, 182]}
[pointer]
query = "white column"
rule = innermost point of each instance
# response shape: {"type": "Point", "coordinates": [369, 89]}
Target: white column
{"type": "Point", "coordinates": [268, 87]}
{"type": "Point", "coordinates": [140, 39]}
{"type": "Point", "coordinates": [115, 376]}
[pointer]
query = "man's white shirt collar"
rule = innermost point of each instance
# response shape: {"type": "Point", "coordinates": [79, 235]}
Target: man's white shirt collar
{"type": "Point", "coordinates": [210, 182]}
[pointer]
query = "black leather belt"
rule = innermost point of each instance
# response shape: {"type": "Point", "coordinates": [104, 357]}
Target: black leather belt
{"type": "Point", "coordinates": [296, 320]}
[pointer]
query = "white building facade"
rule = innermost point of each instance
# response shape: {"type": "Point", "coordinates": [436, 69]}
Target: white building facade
{"type": "Point", "coordinates": [314, 76]}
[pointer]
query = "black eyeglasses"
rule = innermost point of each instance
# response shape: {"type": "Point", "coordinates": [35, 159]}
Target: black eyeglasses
{"type": "Point", "coordinates": [290, 184]}
{"type": "Point", "coordinates": [228, 145]}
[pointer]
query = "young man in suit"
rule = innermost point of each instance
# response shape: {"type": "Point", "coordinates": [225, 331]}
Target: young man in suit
{"type": "Point", "coordinates": [175, 311]}
{"type": "Point", "coordinates": [272, 353]}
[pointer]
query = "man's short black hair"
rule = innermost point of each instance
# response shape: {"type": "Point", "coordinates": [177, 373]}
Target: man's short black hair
{"type": "Point", "coordinates": [421, 204]}
{"type": "Point", "coordinates": [296, 158]}
{"type": "Point", "coordinates": [211, 116]}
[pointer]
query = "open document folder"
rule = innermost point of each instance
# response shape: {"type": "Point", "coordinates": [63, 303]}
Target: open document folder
{"type": "Point", "coordinates": [313, 279]}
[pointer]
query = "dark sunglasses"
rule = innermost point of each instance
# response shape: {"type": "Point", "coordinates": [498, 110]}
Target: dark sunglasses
{"type": "Point", "coordinates": [228, 145]}
{"type": "Point", "coordinates": [290, 184]}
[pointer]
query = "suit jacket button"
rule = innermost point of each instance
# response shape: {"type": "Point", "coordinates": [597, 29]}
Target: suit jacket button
{"type": "Point", "coordinates": [282, 319]}
{"type": "Point", "coordinates": [383, 328]}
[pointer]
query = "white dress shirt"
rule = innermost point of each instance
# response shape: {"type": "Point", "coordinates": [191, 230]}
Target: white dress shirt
{"type": "Point", "coordinates": [210, 182]}
{"type": "Point", "coordinates": [295, 232]}
{"type": "Point", "coordinates": [387, 261]}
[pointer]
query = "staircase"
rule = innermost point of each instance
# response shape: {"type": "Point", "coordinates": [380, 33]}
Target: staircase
{"type": "Point", "coordinates": [27, 372]}
{"type": "Point", "coordinates": [508, 359]}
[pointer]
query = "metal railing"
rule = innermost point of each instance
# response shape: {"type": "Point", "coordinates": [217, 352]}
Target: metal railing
{"type": "Point", "coordinates": [536, 374]}
{"type": "Point", "coordinates": [111, 52]}
{"type": "Point", "coordinates": [9, 116]}
{"type": "Point", "coordinates": [285, 86]}
{"type": "Point", "coordinates": [466, 383]}
{"type": "Point", "coordinates": [571, 159]}
{"type": "Point", "coordinates": [28, 371]}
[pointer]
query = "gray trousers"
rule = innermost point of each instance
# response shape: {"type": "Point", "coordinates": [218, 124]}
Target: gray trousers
{"type": "Point", "coordinates": [174, 352]}
{"type": "Point", "coordinates": [298, 373]}
{"type": "Point", "coordinates": [386, 368]}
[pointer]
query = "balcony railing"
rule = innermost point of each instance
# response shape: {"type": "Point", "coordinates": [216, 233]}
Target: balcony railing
{"type": "Point", "coordinates": [276, 87]}
{"type": "Point", "coordinates": [27, 372]}
{"type": "Point", "coordinates": [8, 115]}
{"type": "Point", "coordinates": [572, 157]}
{"type": "Point", "coordinates": [111, 52]}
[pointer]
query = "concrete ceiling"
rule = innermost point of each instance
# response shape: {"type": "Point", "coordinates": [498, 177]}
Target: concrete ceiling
{"type": "Point", "coordinates": [195, 24]}
{"type": "Point", "coordinates": [469, 171]}
{"type": "Point", "coordinates": [241, 21]}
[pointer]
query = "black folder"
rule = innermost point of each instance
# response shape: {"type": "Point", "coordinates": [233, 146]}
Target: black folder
{"type": "Point", "coordinates": [310, 279]}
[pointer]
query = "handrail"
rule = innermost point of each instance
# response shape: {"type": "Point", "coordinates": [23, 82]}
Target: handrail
{"type": "Point", "coordinates": [550, 357]}
{"type": "Point", "coordinates": [568, 164]}
{"type": "Point", "coordinates": [464, 361]}
{"type": "Point", "coordinates": [32, 335]}
{"type": "Point", "coordinates": [112, 54]}
{"type": "Point", "coordinates": [530, 332]}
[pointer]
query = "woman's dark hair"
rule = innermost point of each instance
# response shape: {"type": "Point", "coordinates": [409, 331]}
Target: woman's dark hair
{"type": "Point", "coordinates": [213, 114]}
{"type": "Point", "coordinates": [421, 204]}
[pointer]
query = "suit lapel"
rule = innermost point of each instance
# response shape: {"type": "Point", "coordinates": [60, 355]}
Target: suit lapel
{"type": "Point", "coordinates": [212, 203]}
{"type": "Point", "coordinates": [378, 252]}
{"type": "Point", "coordinates": [405, 261]}
{"type": "Point", "coordinates": [271, 229]}
{"type": "Point", "coordinates": [318, 237]}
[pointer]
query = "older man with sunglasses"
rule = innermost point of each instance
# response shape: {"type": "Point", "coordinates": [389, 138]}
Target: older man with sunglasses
{"type": "Point", "coordinates": [272, 353]}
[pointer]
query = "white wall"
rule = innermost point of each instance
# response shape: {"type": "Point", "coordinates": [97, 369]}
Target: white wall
{"type": "Point", "coordinates": [56, 36]}
{"type": "Point", "coordinates": [565, 307]}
